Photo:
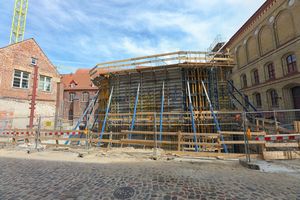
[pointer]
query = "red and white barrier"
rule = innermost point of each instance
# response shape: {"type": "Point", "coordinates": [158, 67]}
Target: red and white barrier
{"type": "Point", "coordinates": [279, 137]}
{"type": "Point", "coordinates": [46, 133]}
{"type": "Point", "coordinates": [62, 133]}
{"type": "Point", "coordinates": [16, 133]}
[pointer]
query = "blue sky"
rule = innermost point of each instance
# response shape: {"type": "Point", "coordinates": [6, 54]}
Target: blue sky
{"type": "Point", "coordinates": [81, 33]}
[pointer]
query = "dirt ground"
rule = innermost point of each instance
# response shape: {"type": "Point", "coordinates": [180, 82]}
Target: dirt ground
{"type": "Point", "coordinates": [128, 154]}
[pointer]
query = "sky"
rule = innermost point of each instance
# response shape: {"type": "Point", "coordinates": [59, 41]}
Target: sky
{"type": "Point", "coordinates": [81, 33]}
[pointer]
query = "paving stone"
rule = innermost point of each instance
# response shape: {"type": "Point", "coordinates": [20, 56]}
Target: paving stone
{"type": "Point", "coordinates": [37, 179]}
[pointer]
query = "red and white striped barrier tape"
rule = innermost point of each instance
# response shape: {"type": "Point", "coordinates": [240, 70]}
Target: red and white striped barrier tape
{"type": "Point", "coordinates": [62, 133]}
{"type": "Point", "coordinates": [278, 137]}
{"type": "Point", "coordinates": [17, 133]}
{"type": "Point", "coordinates": [32, 133]}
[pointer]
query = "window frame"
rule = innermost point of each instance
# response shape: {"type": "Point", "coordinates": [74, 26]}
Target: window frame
{"type": "Point", "coordinates": [88, 97]}
{"type": "Point", "coordinates": [255, 76]}
{"type": "Point", "coordinates": [270, 68]}
{"type": "Point", "coordinates": [33, 61]}
{"type": "Point", "coordinates": [44, 83]}
{"type": "Point", "coordinates": [73, 96]}
{"type": "Point", "coordinates": [258, 102]}
{"type": "Point", "coordinates": [291, 63]}
{"type": "Point", "coordinates": [21, 79]}
{"type": "Point", "coordinates": [244, 81]}
{"type": "Point", "coordinates": [273, 99]}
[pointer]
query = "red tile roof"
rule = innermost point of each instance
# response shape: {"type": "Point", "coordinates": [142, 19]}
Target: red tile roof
{"type": "Point", "coordinates": [80, 78]}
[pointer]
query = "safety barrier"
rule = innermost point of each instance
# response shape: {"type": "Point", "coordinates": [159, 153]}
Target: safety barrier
{"type": "Point", "coordinates": [279, 147]}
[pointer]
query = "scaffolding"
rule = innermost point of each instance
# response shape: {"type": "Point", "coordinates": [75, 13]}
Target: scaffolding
{"type": "Point", "coordinates": [170, 85]}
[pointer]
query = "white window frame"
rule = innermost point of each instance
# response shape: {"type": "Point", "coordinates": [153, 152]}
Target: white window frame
{"type": "Point", "coordinates": [88, 96]}
{"type": "Point", "coordinates": [34, 61]}
{"type": "Point", "coordinates": [73, 94]}
{"type": "Point", "coordinates": [21, 79]}
{"type": "Point", "coordinates": [44, 78]}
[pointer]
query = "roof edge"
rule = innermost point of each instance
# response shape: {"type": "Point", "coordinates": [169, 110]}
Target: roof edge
{"type": "Point", "coordinates": [257, 13]}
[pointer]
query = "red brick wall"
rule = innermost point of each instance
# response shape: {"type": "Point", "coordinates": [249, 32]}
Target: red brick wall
{"type": "Point", "coordinates": [18, 56]}
{"type": "Point", "coordinates": [78, 104]}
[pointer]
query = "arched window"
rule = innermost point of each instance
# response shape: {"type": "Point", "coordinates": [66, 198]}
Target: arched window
{"type": "Point", "coordinates": [251, 48]}
{"type": "Point", "coordinates": [255, 76]}
{"type": "Point", "coordinates": [273, 98]}
{"type": "Point", "coordinates": [257, 99]}
{"type": "Point", "coordinates": [291, 63]}
{"type": "Point", "coordinates": [284, 27]}
{"type": "Point", "coordinates": [266, 39]}
{"type": "Point", "coordinates": [244, 81]}
{"type": "Point", "coordinates": [270, 69]}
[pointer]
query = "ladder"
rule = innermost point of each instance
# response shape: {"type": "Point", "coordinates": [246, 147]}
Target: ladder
{"type": "Point", "coordinates": [87, 112]}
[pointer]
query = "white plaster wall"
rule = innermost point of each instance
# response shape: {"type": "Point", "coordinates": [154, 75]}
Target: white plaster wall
{"type": "Point", "coordinates": [21, 112]}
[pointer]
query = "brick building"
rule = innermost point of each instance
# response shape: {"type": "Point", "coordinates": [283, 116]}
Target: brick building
{"type": "Point", "coordinates": [267, 55]}
{"type": "Point", "coordinates": [17, 63]}
{"type": "Point", "coordinates": [78, 90]}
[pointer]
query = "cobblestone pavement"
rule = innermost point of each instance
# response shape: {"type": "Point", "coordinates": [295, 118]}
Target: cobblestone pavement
{"type": "Point", "coordinates": [34, 179]}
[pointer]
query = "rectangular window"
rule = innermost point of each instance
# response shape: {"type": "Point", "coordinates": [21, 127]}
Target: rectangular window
{"type": "Point", "coordinates": [274, 98]}
{"type": "Point", "coordinates": [85, 96]}
{"type": "Point", "coordinates": [71, 96]}
{"type": "Point", "coordinates": [45, 83]}
{"type": "Point", "coordinates": [21, 79]}
{"type": "Point", "coordinates": [271, 71]}
{"type": "Point", "coordinates": [256, 77]}
{"type": "Point", "coordinates": [33, 61]}
{"type": "Point", "coordinates": [258, 100]}
{"type": "Point", "coordinates": [244, 80]}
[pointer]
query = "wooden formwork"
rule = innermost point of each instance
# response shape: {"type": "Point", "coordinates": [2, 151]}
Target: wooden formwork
{"type": "Point", "coordinates": [161, 81]}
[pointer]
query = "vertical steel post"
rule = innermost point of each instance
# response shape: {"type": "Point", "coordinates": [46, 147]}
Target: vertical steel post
{"type": "Point", "coordinates": [33, 96]}
{"type": "Point", "coordinates": [192, 116]}
{"type": "Point", "coordinates": [275, 121]}
{"type": "Point", "coordinates": [161, 111]}
{"type": "Point", "coordinates": [155, 135]}
{"type": "Point", "coordinates": [37, 133]}
{"type": "Point", "coordinates": [134, 110]}
{"type": "Point", "coordinates": [245, 137]}
{"type": "Point", "coordinates": [214, 117]}
{"type": "Point", "coordinates": [106, 114]}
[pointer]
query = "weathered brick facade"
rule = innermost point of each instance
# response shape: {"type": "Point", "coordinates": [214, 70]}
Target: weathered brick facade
{"type": "Point", "coordinates": [19, 57]}
{"type": "Point", "coordinates": [263, 48]}
{"type": "Point", "coordinates": [80, 85]}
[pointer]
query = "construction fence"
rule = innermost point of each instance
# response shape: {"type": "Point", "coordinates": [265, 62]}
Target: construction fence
{"type": "Point", "coordinates": [262, 132]}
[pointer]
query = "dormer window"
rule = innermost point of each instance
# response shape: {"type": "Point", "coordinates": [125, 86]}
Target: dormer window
{"type": "Point", "coordinates": [73, 84]}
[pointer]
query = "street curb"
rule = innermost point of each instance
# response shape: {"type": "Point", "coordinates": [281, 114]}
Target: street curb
{"type": "Point", "coordinates": [250, 165]}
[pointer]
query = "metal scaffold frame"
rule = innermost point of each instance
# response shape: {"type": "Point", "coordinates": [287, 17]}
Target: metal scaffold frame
{"type": "Point", "coordinates": [19, 21]}
{"type": "Point", "coordinates": [169, 84]}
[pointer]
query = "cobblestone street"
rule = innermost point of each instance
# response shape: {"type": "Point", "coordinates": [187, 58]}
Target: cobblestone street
{"type": "Point", "coordinates": [34, 179]}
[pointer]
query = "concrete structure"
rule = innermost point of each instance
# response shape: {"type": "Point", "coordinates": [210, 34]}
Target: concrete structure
{"type": "Point", "coordinates": [17, 63]}
{"type": "Point", "coordinates": [78, 90]}
{"type": "Point", "coordinates": [267, 55]}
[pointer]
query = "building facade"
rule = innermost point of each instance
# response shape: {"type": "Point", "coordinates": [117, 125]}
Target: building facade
{"type": "Point", "coordinates": [78, 91]}
{"type": "Point", "coordinates": [267, 56]}
{"type": "Point", "coordinates": [17, 64]}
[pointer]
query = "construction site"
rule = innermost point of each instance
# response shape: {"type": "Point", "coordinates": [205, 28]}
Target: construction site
{"type": "Point", "coordinates": [187, 102]}
{"type": "Point", "coordinates": [181, 102]}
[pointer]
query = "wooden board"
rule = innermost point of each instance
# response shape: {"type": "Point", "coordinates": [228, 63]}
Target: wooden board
{"type": "Point", "coordinates": [281, 155]}
{"type": "Point", "coordinates": [211, 154]}
{"type": "Point", "coordinates": [283, 145]}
